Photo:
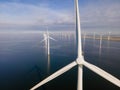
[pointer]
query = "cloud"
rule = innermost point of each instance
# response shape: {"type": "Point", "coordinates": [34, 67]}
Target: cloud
{"type": "Point", "coordinates": [19, 14]}
{"type": "Point", "coordinates": [101, 14]}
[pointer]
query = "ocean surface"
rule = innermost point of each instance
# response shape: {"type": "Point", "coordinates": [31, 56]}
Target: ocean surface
{"type": "Point", "coordinates": [24, 61]}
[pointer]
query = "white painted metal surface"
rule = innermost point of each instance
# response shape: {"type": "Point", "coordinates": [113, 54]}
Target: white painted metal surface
{"type": "Point", "coordinates": [102, 73]}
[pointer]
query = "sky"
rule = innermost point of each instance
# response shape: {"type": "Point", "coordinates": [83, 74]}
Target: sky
{"type": "Point", "coordinates": [59, 15]}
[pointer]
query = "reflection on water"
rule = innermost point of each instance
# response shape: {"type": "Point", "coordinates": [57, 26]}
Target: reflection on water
{"type": "Point", "coordinates": [24, 62]}
{"type": "Point", "coordinates": [48, 65]}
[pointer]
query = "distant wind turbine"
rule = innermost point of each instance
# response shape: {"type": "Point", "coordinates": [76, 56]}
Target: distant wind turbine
{"type": "Point", "coordinates": [109, 36]}
{"type": "Point", "coordinates": [47, 46]}
{"type": "Point", "coordinates": [108, 43]}
{"type": "Point", "coordinates": [80, 62]}
{"type": "Point", "coordinates": [84, 40]}
{"type": "Point", "coordinates": [109, 39]}
{"type": "Point", "coordinates": [94, 37]}
{"type": "Point", "coordinates": [47, 41]}
{"type": "Point", "coordinates": [100, 47]}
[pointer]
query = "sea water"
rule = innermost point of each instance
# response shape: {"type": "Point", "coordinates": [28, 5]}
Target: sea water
{"type": "Point", "coordinates": [24, 62]}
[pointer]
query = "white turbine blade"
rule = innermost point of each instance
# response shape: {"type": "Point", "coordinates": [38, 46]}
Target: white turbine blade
{"type": "Point", "coordinates": [43, 40]}
{"type": "Point", "coordinates": [56, 74]}
{"type": "Point", "coordinates": [102, 73]}
{"type": "Point", "coordinates": [78, 30]}
{"type": "Point", "coordinates": [52, 38]}
{"type": "Point", "coordinates": [51, 33]}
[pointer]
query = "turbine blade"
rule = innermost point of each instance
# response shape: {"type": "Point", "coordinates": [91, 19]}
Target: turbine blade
{"type": "Point", "coordinates": [52, 38]}
{"type": "Point", "coordinates": [43, 40]}
{"type": "Point", "coordinates": [54, 75]}
{"type": "Point", "coordinates": [51, 33]}
{"type": "Point", "coordinates": [78, 30]}
{"type": "Point", "coordinates": [102, 73]}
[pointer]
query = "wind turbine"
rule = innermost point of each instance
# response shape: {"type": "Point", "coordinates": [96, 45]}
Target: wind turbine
{"type": "Point", "coordinates": [47, 45]}
{"type": "Point", "coordinates": [100, 47]}
{"type": "Point", "coordinates": [84, 41]}
{"type": "Point", "coordinates": [94, 36]}
{"type": "Point", "coordinates": [109, 36]}
{"type": "Point", "coordinates": [80, 62]}
{"type": "Point", "coordinates": [108, 42]}
{"type": "Point", "coordinates": [47, 41]}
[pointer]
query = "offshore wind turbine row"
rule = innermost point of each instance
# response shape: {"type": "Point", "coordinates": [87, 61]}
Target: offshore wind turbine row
{"type": "Point", "coordinates": [80, 62]}
{"type": "Point", "coordinates": [67, 35]}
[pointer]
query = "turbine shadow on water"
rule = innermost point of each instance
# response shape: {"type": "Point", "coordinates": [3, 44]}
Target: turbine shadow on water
{"type": "Point", "coordinates": [36, 69]}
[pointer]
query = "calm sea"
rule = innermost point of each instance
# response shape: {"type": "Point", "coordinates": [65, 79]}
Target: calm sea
{"type": "Point", "coordinates": [24, 62]}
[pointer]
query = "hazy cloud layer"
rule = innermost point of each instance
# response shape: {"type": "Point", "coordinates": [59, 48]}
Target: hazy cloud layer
{"type": "Point", "coordinates": [101, 14]}
{"type": "Point", "coordinates": [16, 15]}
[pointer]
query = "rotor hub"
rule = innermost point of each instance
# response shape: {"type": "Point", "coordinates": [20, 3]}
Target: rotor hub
{"type": "Point", "coordinates": [80, 60]}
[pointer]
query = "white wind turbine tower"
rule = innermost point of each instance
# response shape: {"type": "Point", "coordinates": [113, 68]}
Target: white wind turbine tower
{"type": "Point", "coordinates": [109, 36]}
{"type": "Point", "coordinates": [80, 62]}
{"type": "Point", "coordinates": [84, 41]}
{"type": "Point", "coordinates": [47, 41]}
{"type": "Point", "coordinates": [100, 47]}
{"type": "Point", "coordinates": [47, 46]}
{"type": "Point", "coordinates": [94, 38]}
